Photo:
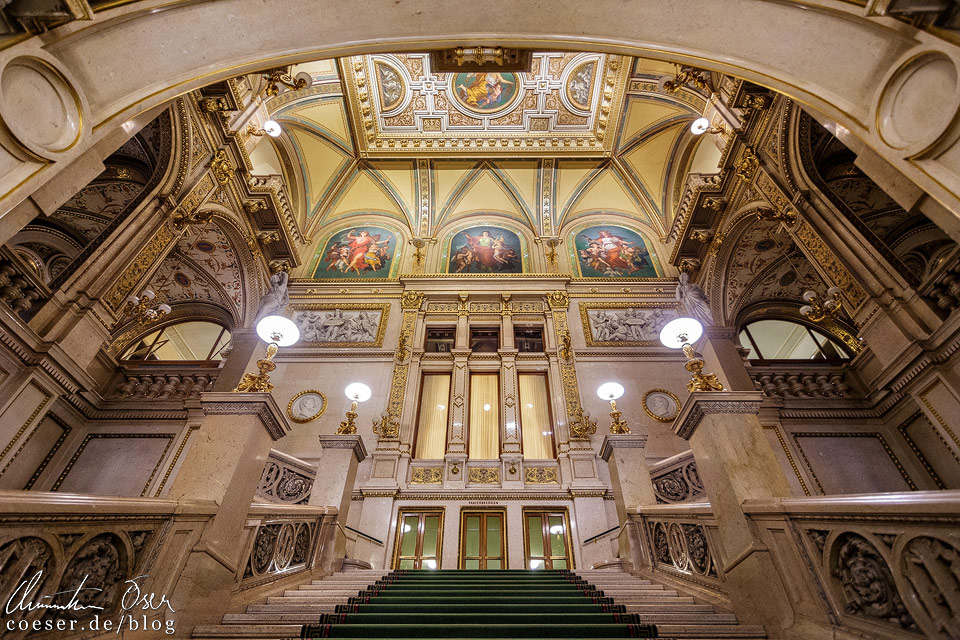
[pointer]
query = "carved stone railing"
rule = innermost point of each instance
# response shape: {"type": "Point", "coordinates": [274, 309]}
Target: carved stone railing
{"type": "Point", "coordinates": [285, 539]}
{"type": "Point", "coordinates": [676, 480]}
{"type": "Point", "coordinates": [695, 184]}
{"type": "Point", "coordinates": [286, 480]}
{"type": "Point", "coordinates": [20, 289]}
{"type": "Point", "coordinates": [801, 380]}
{"type": "Point", "coordinates": [680, 542]}
{"type": "Point", "coordinates": [943, 287]}
{"type": "Point", "coordinates": [68, 540]}
{"type": "Point", "coordinates": [164, 382]}
{"type": "Point", "coordinates": [881, 565]}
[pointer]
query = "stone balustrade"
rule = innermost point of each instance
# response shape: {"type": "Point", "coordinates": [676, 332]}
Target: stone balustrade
{"type": "Point", "coordinates": [880, 566]}
{"type": "Point", "coordinates": [943, 287]}
{"type": "Point", "coordinates": [286, 480]}
{"type": "Point", "coordinates": [164, 382]}
{"type": "Point", "coordinates": [676, 480]}
{"type": "Point", "coordinates": [18, 290]}
{"type": "Point", "coordinates": [802, 381]}
{"type": "Point", "coordinates": [284, 540]}
{"type": "Point", "coordinates": [97, 542]}
{"type": "Point", "coordinates": [680, 541]}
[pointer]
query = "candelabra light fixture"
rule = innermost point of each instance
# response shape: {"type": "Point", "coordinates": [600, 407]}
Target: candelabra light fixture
{"type": "Point", "coordinates": [679, 334]}
{"type": "Point", "coordinates": [819, 309]}
{"type": "Point", "coordinates": [279, 80]}
{"type": "Point", "coordinates": [684, 76]}
{"type": "Point", "coordinates": [611, 391]}
{"type": "Point", "coordinates": [146, 308]}
{"type": "Point", "coordinates": [357, 392]}
{"type": "Point", "coordinates": [701, 126]}
{"type": "Point", "coordinates": [387, 428]}
{"type": "Point", "coordinates": [582, 427]}
{"type": "Point", "coordinates": [276, 331]}
{"type": "Point", "coordinates": [270, 128]}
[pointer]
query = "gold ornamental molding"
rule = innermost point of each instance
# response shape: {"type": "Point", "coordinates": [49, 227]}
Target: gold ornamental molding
{"type": "Point", "coordinates": [426, 475]}
{"type": "Point", "coordinates": [155, 248]}
{"type": "Point", "coordinates": [540, 475]}
{"type": "Point", "coordinates": [568, 105]}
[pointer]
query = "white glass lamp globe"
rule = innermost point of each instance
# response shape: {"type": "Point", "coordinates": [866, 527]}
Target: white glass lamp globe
{"type": "Point", "coordinates": [610, 390]}
{"type": "Point", "coordinates": [272, 128]}
{"type": "Point", "coordinates": [272, 326]}
{"type": "Point", "coordinates": [358, 391]}
{"type": "Point", "coordinates": [680, 330]}
{"type": "Point", "coordinates": [699, 126]}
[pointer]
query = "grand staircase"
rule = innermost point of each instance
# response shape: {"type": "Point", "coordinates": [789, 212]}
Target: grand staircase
{"type": "Point", "coordinates": [480, 604]}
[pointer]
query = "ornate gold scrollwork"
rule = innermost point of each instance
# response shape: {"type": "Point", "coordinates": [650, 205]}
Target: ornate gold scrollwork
{"type": "Point", "coordinates": [582, 427]}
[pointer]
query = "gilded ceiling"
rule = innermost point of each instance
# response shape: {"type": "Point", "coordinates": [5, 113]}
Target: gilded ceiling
{"type": "Point", "coordinates": [582, 136]}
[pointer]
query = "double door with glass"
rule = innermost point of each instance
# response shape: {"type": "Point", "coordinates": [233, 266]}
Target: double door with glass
{"type": "Point", "coordinates": [547, 540]}
{"type": "Point", "coordinates": [419, 537]}
{"type": "Point", "coordinates": [482, 540]}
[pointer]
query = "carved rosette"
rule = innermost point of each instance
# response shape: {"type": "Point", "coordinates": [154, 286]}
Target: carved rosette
{"type": "Point", "coordinates": [866, 581]}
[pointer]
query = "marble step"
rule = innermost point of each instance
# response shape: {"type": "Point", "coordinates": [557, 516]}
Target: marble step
{"type": "Point", "coordinates": [696, 618]}
{"type": "Point", "coordinates": [264, 631]}
{"type": "Point", "coordinates": [711, 631]}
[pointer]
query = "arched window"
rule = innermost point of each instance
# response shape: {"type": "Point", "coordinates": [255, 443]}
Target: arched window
{"type": "Point", "coordinates": [190, 340]}
{"type": "Point", "coordinates": [785, 340]}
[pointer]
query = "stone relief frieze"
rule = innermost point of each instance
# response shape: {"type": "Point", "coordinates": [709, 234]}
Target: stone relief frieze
{"type": "Point", "coordinates": [624, 324]}
{"type": "Point", "coordinates": [341, 325]}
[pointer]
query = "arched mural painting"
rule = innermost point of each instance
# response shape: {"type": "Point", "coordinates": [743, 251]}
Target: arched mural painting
{"type": "Point", "coordinates": [485, 249]}
{"type": "Point", "coordinates": [357, 253]}
{"type": "Point", "coordinates": [608, 251]}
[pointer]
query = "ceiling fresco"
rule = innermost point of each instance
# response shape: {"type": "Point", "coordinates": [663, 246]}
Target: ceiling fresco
{"type": "Point", "coordinates": [583, 136]}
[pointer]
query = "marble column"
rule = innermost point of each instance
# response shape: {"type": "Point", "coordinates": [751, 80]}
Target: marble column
{"type": "Point", "coordinates": [338, 467]}
{"type": "Point", "coordinates": [223, 465]}
{"type": "Point", "coordinates": [736, 463]}
{"type": "Point", "coordinates": [632, 488]}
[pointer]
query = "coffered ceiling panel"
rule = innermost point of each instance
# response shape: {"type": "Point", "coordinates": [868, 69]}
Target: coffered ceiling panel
{"type": "Point", "coordinates": [568, 105]}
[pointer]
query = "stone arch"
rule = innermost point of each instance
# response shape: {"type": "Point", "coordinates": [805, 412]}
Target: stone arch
{"type": "Point", "coordinates": [111, 86]}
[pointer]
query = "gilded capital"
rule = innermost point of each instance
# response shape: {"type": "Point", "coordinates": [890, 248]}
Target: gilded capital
{"type": "Point", "coordinates": [411, 299]}
{"type": "Point", "coordinates": [558, 299]}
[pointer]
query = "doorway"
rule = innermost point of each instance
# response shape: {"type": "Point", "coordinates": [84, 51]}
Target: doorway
{"type": "Point", "coordinates": [546, 536]}
{"type": "Point", "coordinates": [483, 539]}
{"type": "Point", "coordinates": [419, 538]}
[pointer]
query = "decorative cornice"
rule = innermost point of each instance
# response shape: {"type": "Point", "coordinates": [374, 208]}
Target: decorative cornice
{"type": "Point", "coordinates": [701, 403]}
{"type": "Point", "coordinates": [613, 441]}
{"type": "Point", "coordinates": [261, 405]}
{"type": "Point", "coordinates": [353, 442]}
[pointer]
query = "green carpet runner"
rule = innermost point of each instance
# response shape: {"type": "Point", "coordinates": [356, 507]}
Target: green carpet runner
{"type": "Point", "coordinates": [480, 604]}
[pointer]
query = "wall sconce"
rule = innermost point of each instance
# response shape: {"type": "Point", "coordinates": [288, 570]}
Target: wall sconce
{"type": "Point", "coordinates": [357, 392]}
{"type": "Point", "coordinates": [278, 78]}
{"type": "Point", "coordinates": [679, 333]}
{"type": "Point", "coordinates": [611, 391]}
{"type": "Point", "coordinates": [701, 126]}
{"type": "Point", "coordinates": [276, 331]}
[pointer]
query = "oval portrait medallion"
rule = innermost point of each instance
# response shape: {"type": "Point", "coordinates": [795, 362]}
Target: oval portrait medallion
{"type": "Point", "coordinates": [485, 93]}
{"type": "Point", "coordinates": [306, 406]}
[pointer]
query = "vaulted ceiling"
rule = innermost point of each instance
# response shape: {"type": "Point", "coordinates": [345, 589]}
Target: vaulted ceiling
{"type": "Point", "coordinates": [582, 134]}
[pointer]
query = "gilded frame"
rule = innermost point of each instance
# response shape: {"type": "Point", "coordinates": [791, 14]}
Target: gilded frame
{"type": "Point", "coordinates": [504, 538]}
{"type": "Point", "coordinates": [401, 512]}
{"type": "Point", "coordinates": [585, 307]}
{"type": "Point", "coordinates": [675, 399]}
{"type": "Point", "coordinates": [384, 308]}
{"type": "Point", "coordinates": [323, 406]}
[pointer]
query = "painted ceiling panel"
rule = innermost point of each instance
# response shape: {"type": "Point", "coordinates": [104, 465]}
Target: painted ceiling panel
{"type": "Point", "coordinates": [522, 177]}
{"type": "Point", "coordinates": [643, 113]}
{"type": "Point", "coordinates": [322, 163]}
{"type": "Point", "coordinates": [570, 177]}
{"type": "Point", "coordinates": [446, 177]}
{"type": "Point", "coordinates": [607, 193]}
{"type": "Point", "coordinates": [485, 193]}
{"type": "Point", "coordinates": [328, 115]}
{"type": "Point", "coordinates": [401, 179]}
{"type": "Point", "coordinates": [364, 194]}
{"type": "Point", "coordinates": [650, 159]}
